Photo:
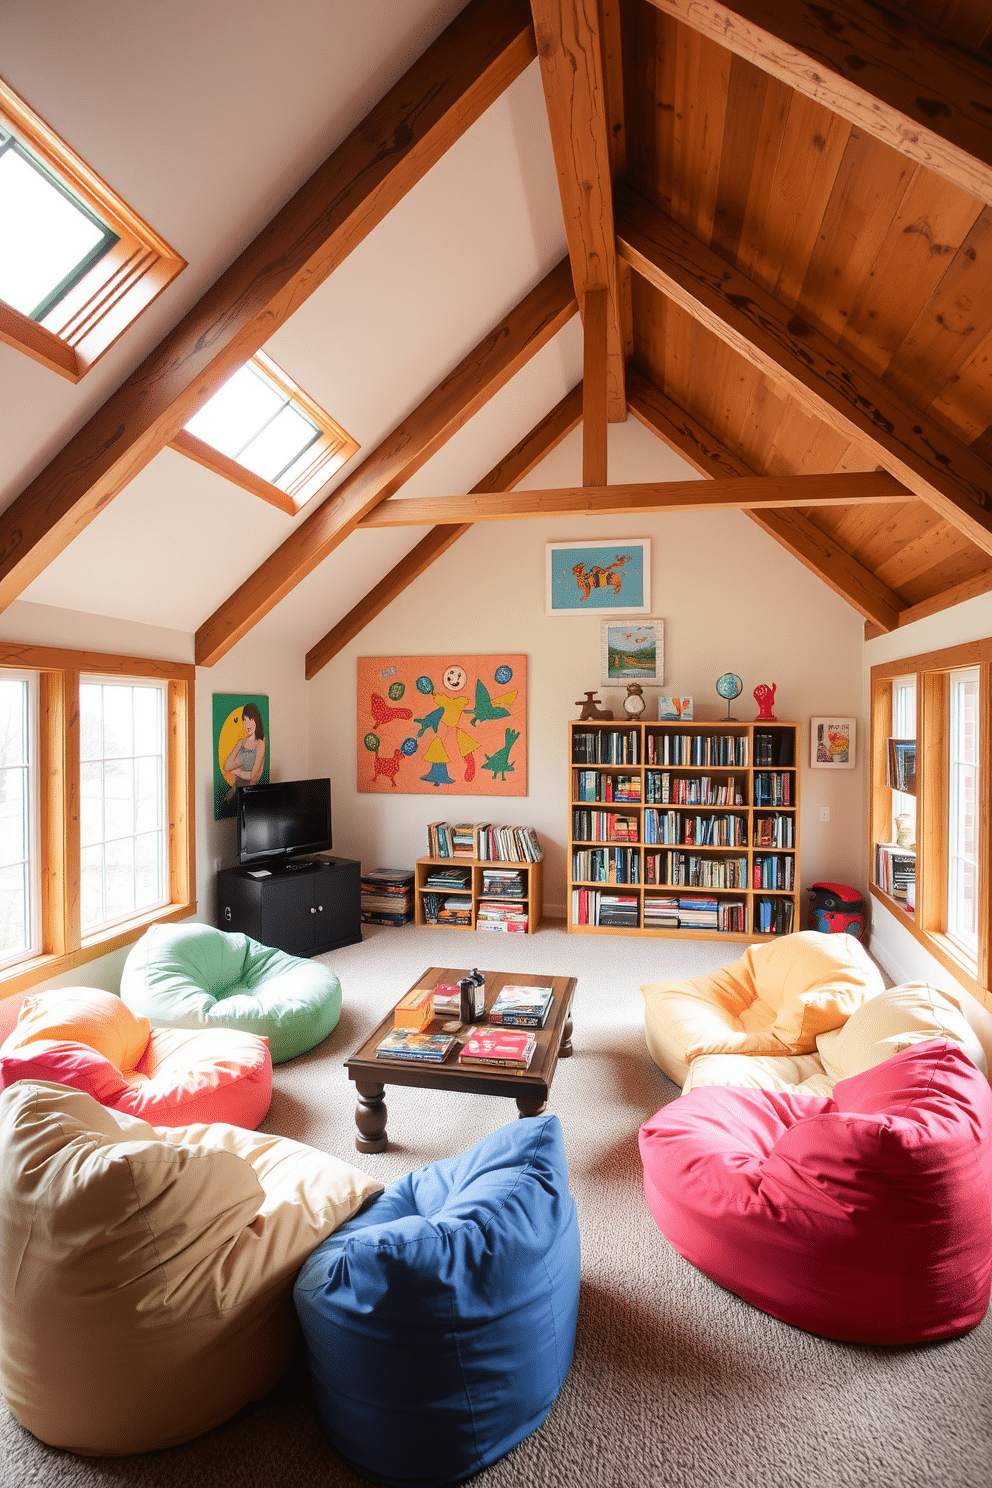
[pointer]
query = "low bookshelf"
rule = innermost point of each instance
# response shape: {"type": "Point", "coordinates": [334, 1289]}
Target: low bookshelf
{"type": "Point", "coordinates": [530, 875]}
{"type": "Point", "coordinates": [675, 826]}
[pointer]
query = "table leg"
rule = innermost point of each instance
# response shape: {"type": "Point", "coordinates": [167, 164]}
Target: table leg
{"type": "Point", "coordinates": [565, 1047]}
{"type": "Point", "coordinates": [527, 1106]}
{"type": "Point", "coordinates": [370, 1118]}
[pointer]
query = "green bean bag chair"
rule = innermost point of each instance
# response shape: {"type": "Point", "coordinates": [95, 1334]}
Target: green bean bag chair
{"type": "Point", "coordinates": [193, 976]}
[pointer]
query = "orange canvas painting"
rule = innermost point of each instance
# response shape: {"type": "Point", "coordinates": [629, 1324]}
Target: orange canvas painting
{"type": "Point", "coordinates": [443, 725]}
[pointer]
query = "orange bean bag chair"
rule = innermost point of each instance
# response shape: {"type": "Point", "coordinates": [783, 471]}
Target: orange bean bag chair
{"type": "Point", "coordinates": [88, 1039]}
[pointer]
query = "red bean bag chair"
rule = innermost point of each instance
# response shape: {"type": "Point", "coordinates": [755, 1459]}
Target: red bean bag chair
{"type": "Point", "coordinates": [863, 1216]}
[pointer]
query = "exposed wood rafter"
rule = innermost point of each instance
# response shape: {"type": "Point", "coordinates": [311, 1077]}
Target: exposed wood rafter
{"type": "Point", "coordinates": [475, 59]}
{"type": "Point", "coordinates": [487, 368]}
{"type": "Point", "coordinates": [531, 450]}
{"type": "Point", "coordinates": [873, 64]}
{"type": "Point", "coordinates": [791, 529]}
{"type": "Point", "coordinates": [824, 378]}
{"type": "Point", "coordinates": [594, 389]}
{"type": "Point", "coordinates": [569, 45]}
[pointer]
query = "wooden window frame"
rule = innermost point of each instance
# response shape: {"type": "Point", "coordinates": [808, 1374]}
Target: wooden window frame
{"type": "Point", "coordinates": [115, 290]}
{"type": "Point", "coordinates": [928, 926]}
{"type": "Point", "coordinates": [63, 946]}
{"type": "Point", "coordinates": [323, 458]}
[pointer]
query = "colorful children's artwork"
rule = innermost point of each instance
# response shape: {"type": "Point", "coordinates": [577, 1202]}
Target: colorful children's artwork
{"type": "Point", "coordinates": [599, 576]}
{"type": "Point", "coordinates": [632, 651]}
{"type": "Point", "coordinates": [831, 743]}
{"type": "Point", "coordinates": [674, 707]}
{"type": "Point", "coordinates": [241, 747]}
{"type": "Point", "coordinates": [445, 725]}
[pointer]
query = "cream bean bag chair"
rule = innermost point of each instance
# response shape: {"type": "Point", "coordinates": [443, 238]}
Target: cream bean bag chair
{"type": "Point", "coordinates": [146, 1273]}
{"type": "Point", "coordinates": [775, 1001]}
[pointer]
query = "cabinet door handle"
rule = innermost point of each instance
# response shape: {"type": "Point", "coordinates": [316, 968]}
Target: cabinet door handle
{"type": "Point", "coordinates": [320, 909]}
{"type": "Point", "coordinates": [312, 910]}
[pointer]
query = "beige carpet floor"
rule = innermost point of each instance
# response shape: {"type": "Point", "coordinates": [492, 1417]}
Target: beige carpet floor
{"type": "Point", "coordinates": [675, 1382]}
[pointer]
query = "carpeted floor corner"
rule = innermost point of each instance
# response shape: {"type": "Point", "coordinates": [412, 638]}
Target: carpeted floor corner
{"type": "Point", "coordinates": [675, 1383]}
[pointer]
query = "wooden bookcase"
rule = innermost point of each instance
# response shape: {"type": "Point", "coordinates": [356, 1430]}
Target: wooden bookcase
{"type": "Point", "coordinates": [530, 873]}
{"type": "Point", "coordinates": [641, 763]}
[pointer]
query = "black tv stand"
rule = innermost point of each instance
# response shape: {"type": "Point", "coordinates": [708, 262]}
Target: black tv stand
{"type": "Point", "coordinates": [304, 906]}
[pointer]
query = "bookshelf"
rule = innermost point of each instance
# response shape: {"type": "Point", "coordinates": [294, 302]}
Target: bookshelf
{"type": "Point", "coordinates": [530, 874]}
{"type": "Point", "coordinates": [688, 812]}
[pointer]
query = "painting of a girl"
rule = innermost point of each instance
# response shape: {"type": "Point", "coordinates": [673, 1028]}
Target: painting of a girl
{"type": "Point", "coordinates": [241, 748]}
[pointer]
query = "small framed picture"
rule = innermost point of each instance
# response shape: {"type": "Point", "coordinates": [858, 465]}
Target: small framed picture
{"type": "Point", "coordinates": [832, 743]}
{"type": "Point", "coordinates": [674, 707]}
{"type": "Point", "coordinates": [632, 651]}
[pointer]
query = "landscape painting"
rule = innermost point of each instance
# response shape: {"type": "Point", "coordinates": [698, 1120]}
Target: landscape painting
{"type": "Point", "coordinates": [632, 651]}
{"type": "Point", "coordinates": [605, 575]}
{"type": "Point", "coordinates": [442, 725]}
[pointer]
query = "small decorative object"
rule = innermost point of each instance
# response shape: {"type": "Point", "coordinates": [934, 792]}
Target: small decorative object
{"type": "Point", "coordinates": [729, 687]}
{"type": "Point", "coordinates": [831, 743]}
{"type": "Point", "coordinates": [674, 707]}
{"type": "Point", "coordinates": [764, 696]}
{"type": "Point", "coordinates": [632, 651]}
{"type": "Point", "coordinates": [633, 703]}
{"type": "Point", "coordinates": [584, 576]}
{"type": "Point", "coordinates": [836, 909]}
{"type": "Point", "coordinates": [591, 709]}
{"type": "Point", "coordinates": [415, 1010]}
{"type": "Point", "coordinates": [473, 996]}
{"type": "Point", "coordinates": [905, 830]}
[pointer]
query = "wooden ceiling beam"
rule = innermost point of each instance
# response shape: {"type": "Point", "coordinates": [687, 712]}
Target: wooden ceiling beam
{"type": "Point", "coordinates": [752, 492]}
{"type": "Point", "coordinates": [790, 529]}
{"type": "Point", "coordinates": [569, 46]}
{"type": "Point", "coordinates": [980, 583]}
{"type": "Point", "coordinates": [594, 389]}
{"type": "Point", "coordinates": [446, 90]}
{"type": "Point", "coordinates": [487, 368]}
{"type": "Point", "coordinates": [825, 379]}
{"type": "Point", "coordinates": [912, 88]}
{"type": "Point", "coordinates": [531, 450]}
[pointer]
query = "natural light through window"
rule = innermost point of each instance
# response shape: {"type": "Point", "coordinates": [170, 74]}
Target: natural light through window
{"type": "Point", "coordinates": [962, 845]}
{"type": "Point", "coordinates": [254, 421]}
{"type": "Point", "coordinates": [122, 797]}
{"type": "Point", "coordinates": [17, 828]}
{"type": "Point", "coordinates": [904, 727]}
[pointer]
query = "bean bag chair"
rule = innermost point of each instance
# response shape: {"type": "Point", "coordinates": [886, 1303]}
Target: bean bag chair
{"type": "Point", "coordinates": [863, 1216]}
{"type": "Point", "coordinates": [775, 1000]}
{"type": "Point", "coordinates": [146, 1273]}
{"type": "Point", "coordinates": [88, 1039]}
{"type": "Point", "coordinates": [193, 976]}
{"type": "Point", "coordinates": [440, 1322]}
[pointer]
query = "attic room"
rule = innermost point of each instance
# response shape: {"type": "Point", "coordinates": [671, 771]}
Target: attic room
{"type": "Point", "coordinates": [705, 281]}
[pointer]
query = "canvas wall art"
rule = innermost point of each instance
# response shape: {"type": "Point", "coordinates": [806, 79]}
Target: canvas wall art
{"type": "Point", "coordinates": [584, 576]}
{"type": "Point", "coordinates": [241, 747]}
{"type": "Point", "coordinates": [832, 743]}
{"type": "Point", "coordinates": [632, 651]}
{"type": "Point", "coordinates": [442, 725]}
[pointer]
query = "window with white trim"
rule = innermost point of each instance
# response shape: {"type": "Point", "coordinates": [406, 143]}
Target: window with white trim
{"type": "Point", "coordinates": [19, 861]}
{"type": "Point", "coordinates": [962, 812]}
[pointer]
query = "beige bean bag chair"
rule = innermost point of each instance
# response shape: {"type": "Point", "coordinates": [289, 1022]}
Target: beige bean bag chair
{"type": "Point", "coordinates": [146, 1273]}
{"type": "Point", "coordinates": [776, 1000]}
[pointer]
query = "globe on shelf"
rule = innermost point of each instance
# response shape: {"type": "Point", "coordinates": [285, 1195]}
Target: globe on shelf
{"type": "Point", "coordinates": [729, 686]}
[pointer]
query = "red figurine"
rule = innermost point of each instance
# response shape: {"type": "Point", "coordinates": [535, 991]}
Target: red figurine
{"type": "Point", "coordinates": [764, 696]}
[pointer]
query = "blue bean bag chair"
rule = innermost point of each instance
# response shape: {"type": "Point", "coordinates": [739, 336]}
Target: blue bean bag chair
{"type": "Point", "coordinates": [193, 976]}
{"type": "Point", "coordinates": [440, 1322]}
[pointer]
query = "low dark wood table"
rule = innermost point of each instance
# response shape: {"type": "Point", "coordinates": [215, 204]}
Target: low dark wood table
{"type": "Point", "coordinates": [529, 1088]}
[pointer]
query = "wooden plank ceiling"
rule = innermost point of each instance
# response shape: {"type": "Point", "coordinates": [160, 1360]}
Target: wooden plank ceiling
{"type": "Point", "coordinates": [779, 237]}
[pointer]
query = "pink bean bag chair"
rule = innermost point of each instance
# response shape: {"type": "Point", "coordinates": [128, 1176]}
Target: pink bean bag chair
{"type": "Point", "coordinates": [863, 1216]}
{"type": "Point", "coordinates": [166, 1076]}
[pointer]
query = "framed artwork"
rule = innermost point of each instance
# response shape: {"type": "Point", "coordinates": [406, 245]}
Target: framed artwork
{"type": "Point", "coordinates": [604, 575]}
{"type": "Point", "coordinates": [632, 651]}
{"type": "Point", "coordinates": [442, 725]}
{"type": "Point", "coordinates": [674, 707]}
{"type": "Point", "coordinates": [241, 747]}
{"type": "Point", "coordinates": [832, 743]}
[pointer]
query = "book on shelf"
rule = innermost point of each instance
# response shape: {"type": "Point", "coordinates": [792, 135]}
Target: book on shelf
{"type": "Point", "coordinates": [388, 880]}
{"type": "Point", "coordinates": [522, 1007]}
{"type": "Point", "coordinates": [901, 765]}
{"type": "Point", "coordinates": [484, 841]}
{"type": "Point", "coordinates": [695, 750]}
{"type": "Point", "coordinates": [387, 896]}
{"type": "Point", "coordinates": [499, 1048]}
{"type": "Point", "coordinates": [774, 916]}
{"type": "Point", "coordinates": [449, 879]}
{"type": "Point", "coordinates": [507, 882]}
{"type": "Point", "coordinates": [895, 869]}
{"type": "Point", "coordinates": [402, 1043]}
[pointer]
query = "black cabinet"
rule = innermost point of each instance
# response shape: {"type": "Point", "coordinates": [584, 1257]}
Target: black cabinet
{"type": "Point", "coordinates": [312, 907]}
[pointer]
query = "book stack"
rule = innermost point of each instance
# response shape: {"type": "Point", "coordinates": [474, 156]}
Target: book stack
{"type": "Point", "coordinates": [506, 883]}
{"type": "Point", "coordinates": [484, 841]}
{"type": "Point", "coordinates": [387, 896]}
{"type": "Point", "coordinates": [522, 1007]}
{"type": "Point", "coordinates": [619, 911]}
{"type": "Point", "coordinates": [455, 911]}
{"type": "Point", "coordinates": [497, 1048]}
{"type": "Point", "coordinates": [449, 879]}
{"type": "Point", "coordinates": [895, 869]}
{"type": "Point", "coordinates": [501, 914]}
{"type": "Point", "coordinates": [402, 1043]}
{"type": "Point", "coordinates": [661, 914]}
{"type": "Point", "coordinates": [699, 914]}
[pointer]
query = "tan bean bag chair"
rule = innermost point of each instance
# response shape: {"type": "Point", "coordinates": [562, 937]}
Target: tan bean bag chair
{"type": "Point", "coordinates": [146, 1273]}
{"type": "Point", "coordinates": [775, 1000]}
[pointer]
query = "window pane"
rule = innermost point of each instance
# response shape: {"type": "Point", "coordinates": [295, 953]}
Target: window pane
{"type": "Point", "coordinates": [19, 868]}
{"type": "Point", "coordinates": [118, 787]}
{"type": "Point", "coordinates": [118, 722]}
{"type": "Point", "coordinates": [962, 854]}
{"type": "Point", "coordinates": [43, 235]}
{"type": "Point", "coordinates": [91, 803]}
{"type": "Point", "coordinates": [237, 412]}
{"type": "Point", "coordinates": [120, 878]}
{"type": "Point", "coordinates": [91, 887]}
{"type": "Point", "coordinates": [90, 722]}
{"type": "Point", "coordinates": [279, 444]}
{"type": "Point", "coordinates": [15, 916]}
{"type": "Point", "coordinates": [13, 721]}
{"type": "Point", "coordinates": [14, 808]}
{"type": "Point", "coordinates": [148, 793]}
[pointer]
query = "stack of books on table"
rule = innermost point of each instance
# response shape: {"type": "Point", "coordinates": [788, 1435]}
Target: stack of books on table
{"type": "Point", "coordinates": [522, 1007]}
{"type": "Point", "coordinates": [506, 881]}
{"type": "Point", "coordinates": [387, 896]}
{"type": "Point", "coordinates": [501, 914]}
{"type": "Point", "coordinates": [497, 1048]}
{"type": "Point", "coordinates": [661, 914]}
{"type": "Point", "coordinates": [402, 1043]}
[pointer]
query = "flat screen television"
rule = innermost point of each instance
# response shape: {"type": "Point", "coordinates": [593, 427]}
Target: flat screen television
{"type": "Point", "coordinates": [283, 819]}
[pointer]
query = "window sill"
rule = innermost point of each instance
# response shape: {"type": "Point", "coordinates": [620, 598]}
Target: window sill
{"type": "Point", "coordinates": [941, 947]}
{"type": "Point", "coordinates": [25, 974]}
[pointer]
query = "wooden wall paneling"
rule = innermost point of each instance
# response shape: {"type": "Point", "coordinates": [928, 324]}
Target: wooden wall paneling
{"type": "Point", "coordinates": [484, 49]}
{"type": "Point", "coordinates": [965, 404]}
{"type": "Point", "coordinates": [879, 544]}
{"type": "Point", "coordinates": [569, 46]}
{"type": "Point", "coordinates": [746, 90]}
{"type": "Point", "coordinates": [831, 384]}
{"type": "Point", "coordinates": [595, 387]}
{"type": "Point", "coordinates": [514, 466]}
{"type": "Point", "coordinates": [487, 368]}
{"type": "Point", "coordinates": [702, 78]}
{"type": "Point", "coordinates": [69, 806]}
{"type": "Point", "coordinates": [904, 83]}
{"type": "Point", "coordinates": [638, 24]}
{"type": "Point", "coordinates": [775, 107]}
{"type": "Point", "coordinates": [931, 801]}
{"type": "Point", "coordinates": [922, 545]}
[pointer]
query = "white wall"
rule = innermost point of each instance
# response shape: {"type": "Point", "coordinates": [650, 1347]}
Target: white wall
{"type": "Point", "coordinates": [895, 947]}
{"type": "Point", "coordinates": [731, 599]}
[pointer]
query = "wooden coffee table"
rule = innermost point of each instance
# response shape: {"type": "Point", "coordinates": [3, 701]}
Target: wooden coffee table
{"type": "Point", "coordinates": [529, 1088]}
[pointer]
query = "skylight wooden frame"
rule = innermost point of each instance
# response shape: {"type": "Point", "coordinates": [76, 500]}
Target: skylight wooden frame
{"type": "Point", "coordinates": [115, 290]}
{"type": "Point", "coordinates": [323, 459]}
{"type": "Point", "coordinates": [63, 946]}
